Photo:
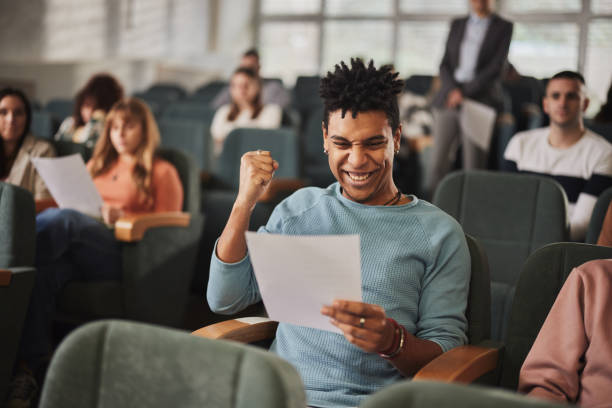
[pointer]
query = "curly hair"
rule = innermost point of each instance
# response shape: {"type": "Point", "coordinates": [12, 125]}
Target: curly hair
{"type": "Point", "coordinates": [361, 88]}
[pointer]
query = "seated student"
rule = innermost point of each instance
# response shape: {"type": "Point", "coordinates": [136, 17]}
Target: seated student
{"type": "Point", "coordinates": [18, 145]}
{"type": "Point", "coordinates": [580, 160]}
{"type": "Point", "coordinates": [73, 246]}
{"type": "Point", "coordinates": [246, 109]}
{"type": "Point", "coordinates": [272, 92]}
{"type": "Point", "coordinates": [571, 359]}
{"type": "Point", "coordinates": [92, 103]}
{"type": "Point", "coordinates": [415, 261]}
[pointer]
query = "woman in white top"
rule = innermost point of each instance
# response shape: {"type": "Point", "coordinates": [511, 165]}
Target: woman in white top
{"type": "Point", "coordinates": [245, 110]}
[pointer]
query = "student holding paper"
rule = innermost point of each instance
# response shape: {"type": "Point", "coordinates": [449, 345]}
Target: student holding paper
{"type": "Point", "coordinates": [73, 246]}
{"type": "Point", "coordinates": [18, 145]}
{"type": "Point", "coordinates": [415, 262]}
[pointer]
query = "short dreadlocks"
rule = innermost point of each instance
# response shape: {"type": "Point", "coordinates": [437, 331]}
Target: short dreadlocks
{"type": "Point", "coordinates": [361, 89]}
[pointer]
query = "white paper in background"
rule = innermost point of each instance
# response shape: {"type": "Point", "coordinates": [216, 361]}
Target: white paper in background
{"type": "Point", "coordinates": [298, 274]}
{"type": "Point", "coordinates": [477, 121]}
{"type": "Point", "coordinates": [70, 183]}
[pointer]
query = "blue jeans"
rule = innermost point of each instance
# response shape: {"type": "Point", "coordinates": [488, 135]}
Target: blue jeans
{"type": "Point", "coordinates": [70, 246]}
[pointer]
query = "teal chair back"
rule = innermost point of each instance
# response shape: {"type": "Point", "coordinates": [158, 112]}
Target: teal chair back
{"type": "Point", "coordinates": [207, 93]}
{"type": "Point", "coordinates": [60, 108]}
{"type": "Point", "coordinates": [478, 311]}
{"type": "Point", "coordinates": [541, 279]}
{"type": "Point", "coordinates": [192, 137]}
{"type": "Point", "coordinates": [66, 148]}
{"type": "Point", "coordinates": [282, 144]}
{"type": "Point", "coordinates": [17, 246]}
{"type": "Point", "coordinates": [511, 215]}
{"type": "Point", "coordinates": [191, 110]}
{"type": "Point", "coordinates": [113, 364]}
{"type": "Point", "coordinates": [42, 124]}
{"type": "Point", "coordinates": [417, 394]}
{"type": "Point", "coordinates": [598, 215]}
{"type": "Point", "coordinates": [189, 175]}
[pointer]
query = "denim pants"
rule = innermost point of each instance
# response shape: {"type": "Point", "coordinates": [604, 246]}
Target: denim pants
{"type": "Point", "coordinates": [70, 246]}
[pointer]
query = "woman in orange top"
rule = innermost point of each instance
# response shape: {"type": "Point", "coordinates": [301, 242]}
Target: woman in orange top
{"type": "Point", "coordinates": [73, 246]}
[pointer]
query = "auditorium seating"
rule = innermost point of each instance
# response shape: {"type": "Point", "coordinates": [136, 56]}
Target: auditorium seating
{"type": "Point", "coordinates": [597, 218]}
{"type": "Point", "coordinates": [17, 246]}
{"type": "Point", "coordinates": [192, 137]}
{"type": "Point", "coordinates": [159, 252]}
{"type": "Point", "coordinates": [512, 215]}
{"type": "Point", "coordinates": [114, 364]}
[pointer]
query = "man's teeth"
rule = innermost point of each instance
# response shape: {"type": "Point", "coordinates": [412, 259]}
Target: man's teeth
{"type": "Point", "coordinates": [359, 177]}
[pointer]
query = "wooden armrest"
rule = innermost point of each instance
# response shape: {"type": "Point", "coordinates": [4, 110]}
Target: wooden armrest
{"type": "Point", "coordinates": [131, 228]}
{"type": "Point", "coordinates": [462, 364]}
{"type": "Point", "coordinates": [245, 330]}
{"type": "Point", "coordinates": [278, 185]}
{"type": "Point", "coordinates": [5, 277]}
{"type": "Point", "coordinates": [44, 203]}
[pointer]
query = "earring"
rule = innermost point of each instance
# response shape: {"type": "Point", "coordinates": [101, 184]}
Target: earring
{"type": "Point", "coordinates": [325, 151]}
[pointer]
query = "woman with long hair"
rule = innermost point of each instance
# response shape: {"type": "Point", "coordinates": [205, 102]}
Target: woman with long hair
{"type": "Point", "coordinates": [246, 109]}
{"type": "Point", "coordinates": [73, 246]}
{"type": "Point", "coordinates": [92, 103]}
{"type": "Point", "coordinates": [18, 145]}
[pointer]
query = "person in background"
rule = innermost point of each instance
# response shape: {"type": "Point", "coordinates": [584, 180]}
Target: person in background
{"type": "Point", "coordinates": [92, 103]}
{"type": "Point", "coordinates": [415, 264]}
{"type": "Point", "coordinates": [272, 91]}
{"type": "Point", "coordinates": [18, 145]}
{"type": "Point", "coordinates": [73, 246]}
{"type": "Point", "coordinates": [579, 159]}
{"type": "Point", "coordinates": [605, 113]}
{"type": "Point", "coordinates": [246, 109]}
{"type": "Point", "coordinates": [571, 359]}
{"type": "Point", "coordinates": [476, 51]}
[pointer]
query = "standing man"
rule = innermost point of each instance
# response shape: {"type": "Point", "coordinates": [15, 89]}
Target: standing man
{"type": "Point", "coordinates": [272, 91]}
{"type": "Point", "coordinates": [476, 50]}
{"type": "Point", "coordinates": [580, 160]}
{"type": "Point", "coordinates": [415, 263]}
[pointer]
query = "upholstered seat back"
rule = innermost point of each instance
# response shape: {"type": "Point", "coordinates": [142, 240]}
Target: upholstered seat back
{"type": "Point", "coordinates": [189, 175]}
{"type": "Point", "coordinates": [598, 215]}
{"type": "Point", "coordinates": [511, 215]}
{"type": "Point", "coordinates": [17, 226]}
{"type": "Point", "coordinates": [113, 364]}
{"type": "Point", "coordinates": [281, 143]}
{"type": "Point", "coordinates": [540, 280]}
{"type": "Point", "coordinates": [478, 311]}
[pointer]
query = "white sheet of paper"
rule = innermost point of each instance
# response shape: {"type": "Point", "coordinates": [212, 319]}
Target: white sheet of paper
{"type": "Point", "coordinates": [477, 121]}
{"type": "Point", "coordinates": [70, 183]}
{"type": "Point", "coordinates": [297, 275]}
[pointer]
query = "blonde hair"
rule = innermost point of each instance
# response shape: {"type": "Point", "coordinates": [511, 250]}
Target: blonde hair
{"type": "Point", "coordinates": [105, 155]}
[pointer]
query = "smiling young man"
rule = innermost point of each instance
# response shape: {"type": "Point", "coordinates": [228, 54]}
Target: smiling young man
{"type": "Point", "coordinates": [415, 262]}
{"type": "Point", "coordinates": [580, 160]}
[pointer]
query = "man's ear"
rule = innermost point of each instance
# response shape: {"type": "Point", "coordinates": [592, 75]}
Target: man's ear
{"type": "Point", "coordinates": [545, 104]}
{"type": "Point", "coordinates": [397, 138]}
{"type": "Point", "coordinates": [585, 104]}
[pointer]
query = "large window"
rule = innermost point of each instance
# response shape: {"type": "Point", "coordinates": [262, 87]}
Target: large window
{"type": "Point", "coordinates": [305, 37]}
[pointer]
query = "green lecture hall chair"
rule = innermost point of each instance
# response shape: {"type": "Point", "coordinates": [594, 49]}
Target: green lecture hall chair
{"type": "Point", "coordinates": [597, 218]}
{"type": "Point", "coordinates": [159, 253]}
{"type": "Point", "coordinates": [17, 248]}
{"type": "Point", "coordinates": [512, 215]}
{"type": "Point", "coordinates": [116, 364]}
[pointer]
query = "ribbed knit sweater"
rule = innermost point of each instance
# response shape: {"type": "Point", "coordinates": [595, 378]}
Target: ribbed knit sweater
{"type": "Point", "coordinates": [414, 263]}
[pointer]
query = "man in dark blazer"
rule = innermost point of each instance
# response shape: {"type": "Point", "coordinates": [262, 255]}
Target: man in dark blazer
{"type": "Point", "coordinates": [476, 50]}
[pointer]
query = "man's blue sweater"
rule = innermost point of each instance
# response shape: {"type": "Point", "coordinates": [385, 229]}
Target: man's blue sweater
{"type": "Point", "coordinates": [414, 263]}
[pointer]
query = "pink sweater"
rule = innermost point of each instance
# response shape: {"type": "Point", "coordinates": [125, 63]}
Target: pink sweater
{"type": "Point", "coordinates": [571, 359]}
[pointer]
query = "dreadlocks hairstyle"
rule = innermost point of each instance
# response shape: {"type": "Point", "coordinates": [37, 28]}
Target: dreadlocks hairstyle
{"type": "Point", "coordinates": [361, 89]}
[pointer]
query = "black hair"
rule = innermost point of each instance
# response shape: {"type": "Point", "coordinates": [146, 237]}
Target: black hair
{"type": "Point", "coordinates": [4, 169]}
{"type": "Point", "coordinates": [251, 52]}
{"type": "Point", "coordinates": [569, 75]}
{"type": "Point", "coordinates": [361, 89]}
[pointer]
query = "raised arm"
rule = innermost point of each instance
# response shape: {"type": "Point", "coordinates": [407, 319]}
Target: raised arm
{"type": "Point", "coordinates": [256, 171]}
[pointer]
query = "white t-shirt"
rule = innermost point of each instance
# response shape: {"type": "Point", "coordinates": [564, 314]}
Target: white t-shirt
{"type": "Point", "coordinates": [269, 118]}
{"type": "Point", "coordinates": [584, 169]}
